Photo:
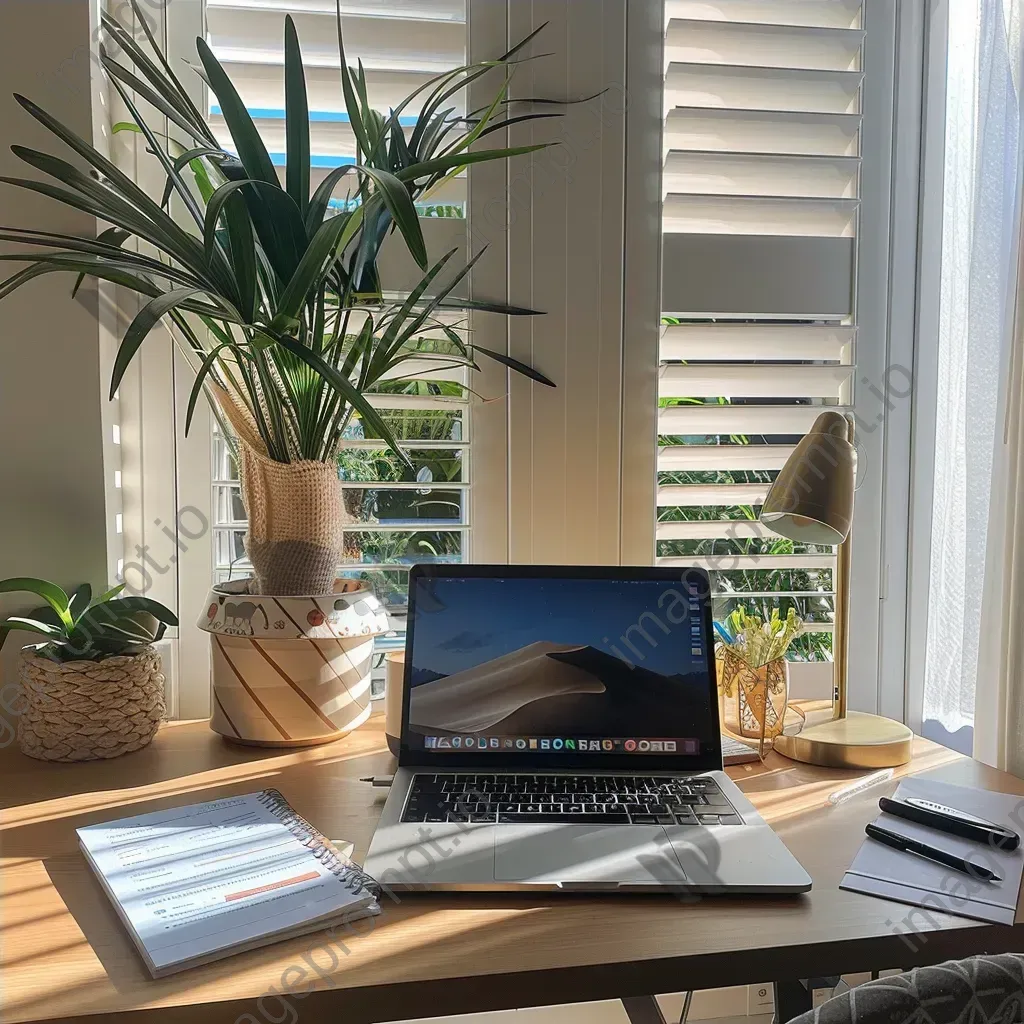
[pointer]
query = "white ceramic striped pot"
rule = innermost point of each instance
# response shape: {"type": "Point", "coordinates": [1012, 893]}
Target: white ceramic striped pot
{"type": "Point", "coordinates": [291, 671]}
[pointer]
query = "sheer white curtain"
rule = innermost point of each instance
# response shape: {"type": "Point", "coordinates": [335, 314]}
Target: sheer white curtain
{"type": "Point", "coordinates": [975, 567]}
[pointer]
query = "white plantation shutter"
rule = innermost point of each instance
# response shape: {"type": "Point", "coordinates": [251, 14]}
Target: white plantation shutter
{"type": "Point", "coordinates": [393, 522]}
{"type": "Point", "coordinates": [761, 199]}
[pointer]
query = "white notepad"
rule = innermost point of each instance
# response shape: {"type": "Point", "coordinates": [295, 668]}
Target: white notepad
{"type": "Point", "coordinates": [198, 883]}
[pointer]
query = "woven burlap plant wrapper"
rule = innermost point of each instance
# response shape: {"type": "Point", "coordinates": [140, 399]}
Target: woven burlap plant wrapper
{"type": "Point", "coordinates": [295, 523]}
{"type": "Point", "coordinates": [296, 514]}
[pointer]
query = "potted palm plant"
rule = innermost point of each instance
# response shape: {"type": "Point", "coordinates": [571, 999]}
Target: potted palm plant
{"type": "Point", "coordinates": [271, 288]}
{"type": "Point", "coordinates": [94, 688]}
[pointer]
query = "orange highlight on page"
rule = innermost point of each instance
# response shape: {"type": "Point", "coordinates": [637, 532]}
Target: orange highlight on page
{"type": "Point", "coordinates": [308, 876]}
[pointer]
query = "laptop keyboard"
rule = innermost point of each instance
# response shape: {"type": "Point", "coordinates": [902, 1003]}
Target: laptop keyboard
{"type": "Point", "coordinates": [568, 799]}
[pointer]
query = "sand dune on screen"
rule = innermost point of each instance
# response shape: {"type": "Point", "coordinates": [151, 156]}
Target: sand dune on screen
{"type": "Point", "coordinates": [480, 697]}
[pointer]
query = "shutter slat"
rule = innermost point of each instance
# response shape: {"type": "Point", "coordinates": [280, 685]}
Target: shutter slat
{"type": "Point", "coordinates": [426, 369]}
{"type": "Point", "coordinates": [747, 174]}
{"type": "Point", "coordinates": [759, 215]}
{"type": "Point", "coordinates": [746, 342]}
{"type": "Point", "coordinates": [741, 563]}
{"type": "Point", "coordinates": [417, 10]}
{"type": "Point", "coordinates": [747, 277]}
{"type": "Point", "coordinates": [696, 495]}
{"type": "Point", "coordinates": [452, 317]}
{"type": "Point", "coordinates": [413, 526]}
{"type": "Point", "coordinates": [706, 380]}
{"type": "Point", "coordinates": [448, 191]}
{"type": "Point", "coordinates": [261, 86]}
{"type": "Point", "coordinates": [742, 87]}
{"type": "Point", "coordinates": [375, 444]}
{"type": "Point", "coordinates": [758, 420]}
{"type": "Point", "coordinates": [708, 458]}
{"type": "Point", "coordinates": [782, 132]}
{"type": "Point", "coordinates": [416, 401]}
{"type": "Point", "coordinates": [402, 485]}
{"type": "Point", "coordinates": [326, 138]}
{"type": "Point", "coordinates": [779, 46]}
{"type": "Point", "coordinates": [380, 42]}
{"type": "Point", "coordinates": [714, 529]}
{"type": "Point", "coordinates": [815, 13]}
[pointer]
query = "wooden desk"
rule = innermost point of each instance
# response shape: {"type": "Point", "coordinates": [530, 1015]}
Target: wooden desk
{"type": "Point", "coordinates": [65, 955]}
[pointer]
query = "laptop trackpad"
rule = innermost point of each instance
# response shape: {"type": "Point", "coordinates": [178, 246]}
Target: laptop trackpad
{"type": "Point", "coordinates": [612, 854]}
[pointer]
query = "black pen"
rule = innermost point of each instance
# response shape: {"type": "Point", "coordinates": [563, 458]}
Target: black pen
{"type": "Point", "coordinates": [952, 820]}
{"type": "Point", "coordinates": [949, 860]}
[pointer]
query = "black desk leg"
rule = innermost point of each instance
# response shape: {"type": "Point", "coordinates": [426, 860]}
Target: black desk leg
{"type": "Point", "coordinates": [791, 999]}
{"type": "Point", "coordinates": [643, 1010]}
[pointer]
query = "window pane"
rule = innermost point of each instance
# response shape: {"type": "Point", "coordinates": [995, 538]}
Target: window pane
{"type": "Point", "coordinates": [408, 546]}
{"type": "Point", "coordinates": [436, 465]}
{"type": "Point", "coordinates": [405, 507]}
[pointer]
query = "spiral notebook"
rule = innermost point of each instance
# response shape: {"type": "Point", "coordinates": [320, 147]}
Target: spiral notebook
{"type": "Point", "coordinates": [198, 883]}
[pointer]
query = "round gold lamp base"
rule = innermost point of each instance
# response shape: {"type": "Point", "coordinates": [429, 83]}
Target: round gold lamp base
{"type": "Point", "coordinates": [856, 741]}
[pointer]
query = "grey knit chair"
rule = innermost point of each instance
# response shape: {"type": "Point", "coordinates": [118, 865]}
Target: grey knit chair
{"type": "Point", "coordinates": [980, 990]}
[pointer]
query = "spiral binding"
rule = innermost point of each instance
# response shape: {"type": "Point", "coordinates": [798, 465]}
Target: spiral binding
{"type": "Point", "coordinates": [352, 876]}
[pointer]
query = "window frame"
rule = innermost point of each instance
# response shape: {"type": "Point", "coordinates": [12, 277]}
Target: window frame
{"type": "Point", "coordinates": [166, 479]}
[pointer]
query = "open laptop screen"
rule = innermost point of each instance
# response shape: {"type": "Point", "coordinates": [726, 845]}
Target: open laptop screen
{"type": "Point", "coordinates": [561, 665]}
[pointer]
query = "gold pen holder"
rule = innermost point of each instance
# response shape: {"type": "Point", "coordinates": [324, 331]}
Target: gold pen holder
{"type": "Point", "coordinates": [752, 701]}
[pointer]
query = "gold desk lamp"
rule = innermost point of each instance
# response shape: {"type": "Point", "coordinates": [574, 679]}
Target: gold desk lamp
{"type": "Point", "coordinates": [811, 502]}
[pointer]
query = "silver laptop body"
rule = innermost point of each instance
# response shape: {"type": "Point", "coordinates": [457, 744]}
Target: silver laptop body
{"type": "Point", "coordinates": [560, 731]}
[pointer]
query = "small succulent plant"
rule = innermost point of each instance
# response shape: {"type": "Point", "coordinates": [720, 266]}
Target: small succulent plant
{"type": "Point", "coordinates": [78, 628]}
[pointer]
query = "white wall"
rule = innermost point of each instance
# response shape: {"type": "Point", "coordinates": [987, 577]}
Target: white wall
{"type": "Point", "coordinates": [52, 510]}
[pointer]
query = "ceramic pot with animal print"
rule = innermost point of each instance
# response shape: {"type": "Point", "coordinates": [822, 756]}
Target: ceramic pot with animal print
{"type": "Point", "coordinates": [291, 671]}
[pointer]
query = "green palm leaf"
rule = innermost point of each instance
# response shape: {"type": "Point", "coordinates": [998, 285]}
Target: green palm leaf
{"type": "Point", "coordinates": [441, 164]}
{"type": "Point", "coordinates": [322, 197]}
{"type": "Point", "coordinates": [164, 81]}
{"type": "Point", "coordinates": [399, 204]}
{"type": "Point", "coordinates": [251, 150]}
{"type": "Point", "coordinates": [148, 317]}
{"type": "Point", "coordinates": [328, 242]}
{"type": "Point", "coordinates": [128, 202]}
{"type": "Point", "coordinates": [345, 388]}
{"type": "Point", "coordinates": [515, 364]}
{"type": "Point", "coordinates": [297, 119]}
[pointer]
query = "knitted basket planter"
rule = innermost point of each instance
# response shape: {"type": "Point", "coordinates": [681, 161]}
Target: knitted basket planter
{"type": "Point", "coordinates": [86, 710]}
{"type": "Point", "coordinates": [291, 671]}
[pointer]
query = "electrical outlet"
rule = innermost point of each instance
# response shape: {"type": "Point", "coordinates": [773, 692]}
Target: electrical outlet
{"type": "Point", "coordinates": [760, 999]}
{"type": "Point", "coordinates": [819, 996]}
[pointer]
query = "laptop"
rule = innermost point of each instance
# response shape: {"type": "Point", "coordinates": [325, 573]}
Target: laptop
{"type": "Point", "coordinates": [560, 731]}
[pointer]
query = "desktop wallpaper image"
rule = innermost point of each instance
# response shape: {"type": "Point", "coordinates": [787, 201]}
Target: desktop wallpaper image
{"type": "Point", "coordinates": [544, 657]}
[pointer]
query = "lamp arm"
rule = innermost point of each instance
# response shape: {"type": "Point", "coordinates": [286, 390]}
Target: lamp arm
{"type": "Point", "coordinates": [840, 631]}
{"type": "Point", "coordinates": [841, 625]}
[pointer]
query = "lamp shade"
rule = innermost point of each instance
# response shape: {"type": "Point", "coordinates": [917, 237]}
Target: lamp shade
{"type": "Point", "coordinates": [811, 500]}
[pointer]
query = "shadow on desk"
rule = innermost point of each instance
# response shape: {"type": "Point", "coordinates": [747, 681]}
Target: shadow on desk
{"type": "Point", "coordinates": [178, 764]}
